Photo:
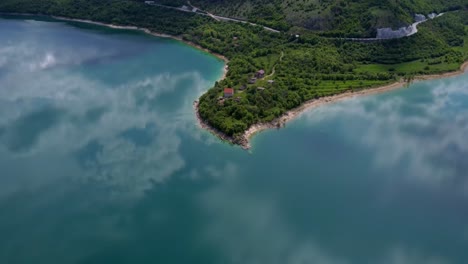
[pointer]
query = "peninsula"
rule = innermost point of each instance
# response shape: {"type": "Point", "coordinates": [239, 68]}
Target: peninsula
{"type": "Point", "coordinates": [272, 75]}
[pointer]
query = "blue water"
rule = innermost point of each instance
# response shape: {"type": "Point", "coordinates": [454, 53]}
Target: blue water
{"type": "Point", "coordinates": [102, 161]}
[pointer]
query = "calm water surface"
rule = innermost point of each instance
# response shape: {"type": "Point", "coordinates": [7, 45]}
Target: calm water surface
{"type": "Point", "coordinates": [101, 161]}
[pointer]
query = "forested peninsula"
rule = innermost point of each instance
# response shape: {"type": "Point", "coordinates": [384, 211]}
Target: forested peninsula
{"type": "Point", "coordinates": [271, 73]}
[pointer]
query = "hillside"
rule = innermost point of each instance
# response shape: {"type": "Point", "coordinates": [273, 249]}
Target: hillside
{"type": "Point", "coordinates": [297, 69]}
{"type": "Point", "coordinates": [331, 17]}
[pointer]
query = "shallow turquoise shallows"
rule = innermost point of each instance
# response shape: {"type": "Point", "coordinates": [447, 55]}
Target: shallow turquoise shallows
{"type": "Point", "coordinates": [102, 161]}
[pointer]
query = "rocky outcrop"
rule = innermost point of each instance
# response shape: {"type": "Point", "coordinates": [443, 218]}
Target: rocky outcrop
{"type": "Point", "coordinates": [419, 18]}
{"type": "Point", "coordinates": [389, 33]}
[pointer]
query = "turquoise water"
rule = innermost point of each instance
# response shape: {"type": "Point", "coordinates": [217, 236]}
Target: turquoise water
{"type": "Point", "coordinates": [101, 161]}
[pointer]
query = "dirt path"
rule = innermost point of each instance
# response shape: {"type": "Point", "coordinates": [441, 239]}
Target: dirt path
{"type": "Point", "coordinates": [274, 67]}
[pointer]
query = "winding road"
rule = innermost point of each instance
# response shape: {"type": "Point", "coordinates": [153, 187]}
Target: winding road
{"type": "Point", "coordinates": [228, 19]}
{"type": "Point", "coordinates": [198, 11]}
{"type": "Point", "coordinates": [215, 17]}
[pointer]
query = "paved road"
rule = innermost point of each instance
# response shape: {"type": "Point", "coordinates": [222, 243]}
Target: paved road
{"type": "Point", "coordinates": [229, 19]}
{"type": "Point", "coordinates": [215, 17]}
{"type": "Point", "coordinates": [414, 30]}
{"type": "Point", "coordinates": [246, 22]}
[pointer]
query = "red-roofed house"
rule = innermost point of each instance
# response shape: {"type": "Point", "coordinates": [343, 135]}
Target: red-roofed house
{"type": "Point", "coordinates": [228, 92]}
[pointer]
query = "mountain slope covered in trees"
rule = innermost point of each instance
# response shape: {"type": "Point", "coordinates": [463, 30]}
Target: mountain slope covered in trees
{"type": "Point", "coordinates": [334, 17]}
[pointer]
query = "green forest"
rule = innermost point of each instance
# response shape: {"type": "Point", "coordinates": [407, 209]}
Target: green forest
{"type": "Point", "coordinates": [356, 18]}
{"type": "Point", "coordinates": [299, 64]}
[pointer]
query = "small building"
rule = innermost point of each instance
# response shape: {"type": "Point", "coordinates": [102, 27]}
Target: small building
{"type": "Point", "coordinates": [260, 74]}
{"type": "Point", "coordinates": [194, 9]}
{"type": "Point", "coordinates": [253, 80]}
{"type": "Point", "coordinates": [237, 99]}
{"type": "Point", "coordinates": [184, 7]}
{"type": "Point", "coordinates": [149, 2]}
{"type": "Point", "coordinates": [261, 88]}
{"type": "Point", "coordinates": [270, 82]}
{"type": "Point", "coordinates": [228, 92]}
{"type": "Point", "coordinates": [243, 87]}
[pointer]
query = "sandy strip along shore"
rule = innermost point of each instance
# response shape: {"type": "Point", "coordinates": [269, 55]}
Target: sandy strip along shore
{"type": "Point", "coordinates": [291, 114]}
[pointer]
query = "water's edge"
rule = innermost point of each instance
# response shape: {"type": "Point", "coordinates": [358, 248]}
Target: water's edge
{"type": "Point", "coordinates": [244, 140]}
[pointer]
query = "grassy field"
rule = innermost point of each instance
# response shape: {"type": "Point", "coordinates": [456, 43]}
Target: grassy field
{"type": "Point", "coordinates": [411, 68]}
{"type": "Point", "coordinates": [424, 66]}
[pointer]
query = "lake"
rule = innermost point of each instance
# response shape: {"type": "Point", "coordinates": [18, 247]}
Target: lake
{"type": "Point", "coordinates": [102, 161]}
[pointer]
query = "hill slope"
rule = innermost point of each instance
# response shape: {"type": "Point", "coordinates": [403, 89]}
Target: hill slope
{"type": "Point", "coordinates": [297, 69]}
{"type": "Point", "coordinates": [336, 17]}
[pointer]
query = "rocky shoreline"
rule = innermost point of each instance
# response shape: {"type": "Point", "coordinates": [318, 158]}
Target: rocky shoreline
{"type": "Point", "coordinates": [241, 141]}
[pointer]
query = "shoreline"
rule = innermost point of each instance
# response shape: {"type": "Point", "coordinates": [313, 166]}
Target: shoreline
{"type": "Point", "coordinates": [202, 123]}
{"type": "Point", "coordinates": [135, 28]}
{"type": "Point", "coordinates": [244, 140]}
{"type": "Point", "coordinates": [296, 112]}
{"type": "Point", "coordinates": [149, 32]}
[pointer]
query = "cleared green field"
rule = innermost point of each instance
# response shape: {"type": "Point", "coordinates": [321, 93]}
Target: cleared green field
{"type": "Point", "coordinates": [415, 67]}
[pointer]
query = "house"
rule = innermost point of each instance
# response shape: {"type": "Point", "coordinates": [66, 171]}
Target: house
{"type": "Point", "coordinates": [243, 87]}
{"type": "Point", "coordinates": [270, 82]}
{"type": "Point", "coordinates": [260, 74]}
{"type": "Point", "coordinates": [237, 99]}
{"type": "Point", "coordinates": [184, 7]}
{"type": "Point", "coordinates": [228, 92]}
{"type": "Point", "coordinates": [194, 9]}
{"type": "Point", "coordinates": [252, 80]}
{"type": "Point", "coordinates": [260, 88]}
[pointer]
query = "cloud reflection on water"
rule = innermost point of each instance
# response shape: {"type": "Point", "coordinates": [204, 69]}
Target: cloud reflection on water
{"type": "Point", "coordinates": [427, 134]}
{"type": "Point", "coordinates": [119, 137]}
{"type": "Point", "coordinates": [64, 111]}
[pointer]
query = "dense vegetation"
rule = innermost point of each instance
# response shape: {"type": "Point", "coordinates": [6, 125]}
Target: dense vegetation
{"type": "Point", "coordinates": [110, 11]}
{"type": "Point", "coordinates": [358, 18]}
{"type": "Point", "coordinates": [298, 68]}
